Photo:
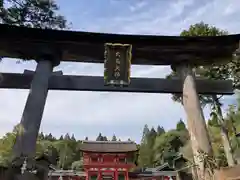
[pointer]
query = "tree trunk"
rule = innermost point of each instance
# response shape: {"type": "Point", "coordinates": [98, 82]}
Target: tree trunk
{"type": "Point", "coordinates": [224, 133]}
{"type": "Point", "coordinates": [227, 146]}
{"type": "Point", "coordinates": [235, 133]}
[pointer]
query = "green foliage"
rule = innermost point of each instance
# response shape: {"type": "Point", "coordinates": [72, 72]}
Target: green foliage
{"type": "Point", "coordinates": [32, 13]}
{"type": "Point", "coordinates": [114, 138]}
{"type": "Point", "coordinates": [232, 124]}
{"type": "Point", "coordinates": [6, 144]}
{"type": "Point", "coordinates": [73, 138]}
{"type": "Point", "coordinates": [213, 71]}
{"type": "Point", "coordinates": [145, 134]}
{"type": "Point", "coordinates": [181, 125]}
{"type": "Point", "coordinates": [202, 29]}
{"type": "Point", "coordinates": [66, 149]}
{"type": "Point", "coordinates": [186, 151]}
{"type": "Point", "coordinates": [101, 138]}
{"type": "Point", "coordinates": [146, 152]}
{"type": "Point", "coordinates": [168, 144]}
{"type": "Point", "coordinates": [77, 165]}
{"type": "Point", "coordinates": [217, 145]}
{"type": "Point", "coordinates": [158, 147]}
{"type": "Point", "coordinates": [61, 137]}
{"type": "Point", "coordinates": [160, 130]}
{"type": "Point", "coordinates": [151, 137]}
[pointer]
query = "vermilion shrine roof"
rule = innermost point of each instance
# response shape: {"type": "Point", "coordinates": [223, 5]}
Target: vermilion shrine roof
{"type": "Point", "coordinates": [108, 146]}
{"type": "Point", "coordinates": [33, 43]}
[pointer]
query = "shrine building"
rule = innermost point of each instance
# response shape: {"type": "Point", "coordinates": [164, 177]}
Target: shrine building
{"type": "Point", "coordinates": [108, 160]}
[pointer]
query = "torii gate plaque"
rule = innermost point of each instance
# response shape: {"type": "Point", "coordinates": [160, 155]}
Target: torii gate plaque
{"type": "Point", "coordinates": [117, 64]}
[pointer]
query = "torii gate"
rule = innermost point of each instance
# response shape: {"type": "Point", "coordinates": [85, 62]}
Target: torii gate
{"type": "Point", "coordinates": [49, 47]}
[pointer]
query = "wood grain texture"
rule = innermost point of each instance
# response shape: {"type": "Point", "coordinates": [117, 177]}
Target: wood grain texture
{"type": "Point", "coordinates": [95, 83]}
{"type": "Point", "coordinates": [200, 140]}
{"type": "Point", "coordinates": [25, 145]}
{"type": "Point", "coordinates": [31, 43]}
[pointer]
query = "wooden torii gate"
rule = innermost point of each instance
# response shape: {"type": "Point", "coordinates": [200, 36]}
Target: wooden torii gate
{"type": "Point", "coordinates": [50, 47]}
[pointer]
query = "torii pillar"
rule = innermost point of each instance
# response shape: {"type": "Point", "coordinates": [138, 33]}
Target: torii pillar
{"type": "Point", "coordinates": [195, 119]}
{"type": "Point", "coordinates": [25, 146]}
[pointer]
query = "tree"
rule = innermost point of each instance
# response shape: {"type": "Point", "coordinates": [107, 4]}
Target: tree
{"type": "Point", "coordinates": [104, 138]}
{"type": "Point", "coordinates": [49, 137]}
{"type": "Point", "coordinates": [151, 137]}
{"type": "Point", "coordinates": [100, 137]}
{"type": "Point", "coordinates": [181, 126]}
{"type": "Point", "coordinates": [146, 154]}
{"type": "Point", "coordinates": [233, 124]}
{"type": "Point", "coordinates": [77, 165]}
{"type": "Point", "coordinates": [53, 155]}
{"type": "Point", "coordinates": [160, 130]}
{"type": "Point", "coordinates": [168, 145]}
{"type": "Point", "coordinates": [67, 137]}
{"type": "Point", "coordinates": [32, 13]}
{"type": "Point", "coordinates": [41, 136]}
{"type": "Point", "coordinates": [145, 133]}
{"type": "Point", "coordinates": [6, 144]}
{"type": "Point", "coordinates": [186, 150]}
{"type": "Point", "coordinates": [216, 72]}
{"type": "Point", "coordinates": [73, 138]}
{"type": "Point", "coordinates": [114, 138]}
{"type": "Point", "coordinates": [61, 138]}
{"type": "Point", "coordinates": [66, 153]}
{"type": "Point", "coordinates": [216, 140]}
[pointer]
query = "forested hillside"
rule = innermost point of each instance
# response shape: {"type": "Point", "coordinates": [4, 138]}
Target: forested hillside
{"type": "Point", "coordinates": [157, 145]}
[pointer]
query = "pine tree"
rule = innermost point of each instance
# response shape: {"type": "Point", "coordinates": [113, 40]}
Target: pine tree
{"type": "Point", "coordinates": [114, 138]}
{"type": "Point", "coordinates": [61, 137]}
{"type": "Point", "coordinates": [49, 137]}
{"type": "Point", "coordinates": [151, 137]}
{"type": "Point", "coordinates": [181, 126]}
{"type": "Point", "coordinates": [67, 137]}
{"type": "Point", "coordinates": [73, 138]}
{"type": "Point", "coordinates": [145, 133]}
{"type": "Point", "coordinates": [145, 149]}
{"type": "Point", "coordinates": [41, 136]}
{"type": "Point", "coordinates": [160, 130]}
{"type": "Point", "coordinates": [150, 144]}
{"type": "Point", "coordinates": [100, 137]}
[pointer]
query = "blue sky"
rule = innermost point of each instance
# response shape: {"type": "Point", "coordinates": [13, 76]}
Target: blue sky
{"type": "Point", "coordinates": [88, 113]}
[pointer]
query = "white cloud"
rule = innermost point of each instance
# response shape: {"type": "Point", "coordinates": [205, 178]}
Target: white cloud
{"type": "Point", "coordinates": [138, 6]}
{"type": "Point", "coordinates": [170, 17]}
{"type": "Point", "coordinates": [88, 113]}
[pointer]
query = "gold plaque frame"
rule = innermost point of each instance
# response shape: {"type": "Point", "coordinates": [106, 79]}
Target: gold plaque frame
{"type": "Point", "coordinates": [123, 53]}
